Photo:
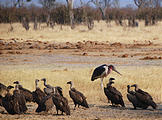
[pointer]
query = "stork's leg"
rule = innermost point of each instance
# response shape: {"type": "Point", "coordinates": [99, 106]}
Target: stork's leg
{"type": "Point", "coordinates": [101, 83]}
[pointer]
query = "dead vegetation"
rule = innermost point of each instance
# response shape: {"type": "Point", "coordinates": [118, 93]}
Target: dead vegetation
{"type": "Point", "coordinates": [66, 55]}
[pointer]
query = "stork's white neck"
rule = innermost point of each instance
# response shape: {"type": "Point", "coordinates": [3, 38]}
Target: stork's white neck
{"type": "Point", "coordinates": [108, 70]}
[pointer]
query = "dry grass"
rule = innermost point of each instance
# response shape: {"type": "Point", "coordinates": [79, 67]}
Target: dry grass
{"type": "Point", "coordinates": [148, 78]}
{"type": "Point", "coordinates": [101, 32]}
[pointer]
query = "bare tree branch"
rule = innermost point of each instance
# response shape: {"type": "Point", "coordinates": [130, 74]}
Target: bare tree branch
{"type": "Point", "coordinates": [19, 3]}
{"type": "Point", "coordinates": [102, 5]}
{"type": "Point", "coordinates": [139, 3]}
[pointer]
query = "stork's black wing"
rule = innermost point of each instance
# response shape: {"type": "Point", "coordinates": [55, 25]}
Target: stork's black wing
{"type": "Point", "coordinates": [98, 72]}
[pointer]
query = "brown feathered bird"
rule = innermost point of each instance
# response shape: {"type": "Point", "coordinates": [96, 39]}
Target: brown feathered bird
{"type": "Point", "coordinates": [8, 102]}
{"type": "Point", "coordinates": [77, 97]}
{"type": "Point", "coordinates": [133, 99]}
{"type": "Point", "coordinates": [49, 89]}
{"type": "Point", "coordinates": [45, 104]}
{"type": "Point", "coordinates": [21, 99]}
{"type": "Point", "coordinates": [3, 92]}
{"type": "Point", "coordinates": [113, 94]}
{"type": "Point", "coordinates": [38, 94]}
{"type": "Point", "coordinates": [144, 97]}
{"type": "Point", "coordinates": [16, 103]}
{"type": "Point", "coordinates": [27, 93]}
{"type": "Point", "coordinates": [60, 102]}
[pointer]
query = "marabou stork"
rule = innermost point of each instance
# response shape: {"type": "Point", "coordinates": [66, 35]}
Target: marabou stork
{"type": "Point", "coordinates": [103, 71]}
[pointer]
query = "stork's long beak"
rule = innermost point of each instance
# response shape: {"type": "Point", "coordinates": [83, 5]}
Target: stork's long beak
{"type": "Point", "coordinates": [117, 71]}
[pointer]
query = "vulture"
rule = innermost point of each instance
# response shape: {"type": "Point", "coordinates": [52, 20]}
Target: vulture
{"type": "Point", "coordinates": [3, 91]}
{"type": "Point", "coordinates": [38, 94]}
{"type": "Point", "coordinates": [60, 102]}
{"type": "Point", "coordinates": [21, 99]}
{"type": "Point", "coordinates": [16, 103]}
{"type": "Point", "coordinates": [8, 102]}
{"type": "Point", "coordinates": [135, 102]}
{"type": "Point", "coordinates": [49, 89]}
{"type": "Point", "coordinates": [77, 97]}
{"type": "Point", "coordinates": [144, 97]}
{"type": "Point", "coordinates": [45, 104]}
{"type": "Point", "coordinates": [44, 101]}
{"type": "Point", "coordinates": [2, 86]}
{"type": "Point", "coordinates": [113, 94]}
{"type": "Point", "coordinates": [27, 93]}
{"type": "Point", "coordinates": [1, 100]}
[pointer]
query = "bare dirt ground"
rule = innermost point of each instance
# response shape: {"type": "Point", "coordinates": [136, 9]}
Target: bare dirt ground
{"type": "Point", "coordinates": [98, 111]}
{"type": "Point", "coordinates": [84, 53]}
{"type": "Point", "coordinates": [81, 54]}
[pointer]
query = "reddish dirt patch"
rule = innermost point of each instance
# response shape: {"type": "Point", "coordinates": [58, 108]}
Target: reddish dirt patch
{"type": "Point", "coordinates": [151, 58]}
{"type": "Point", "coordinates": [124, 56]}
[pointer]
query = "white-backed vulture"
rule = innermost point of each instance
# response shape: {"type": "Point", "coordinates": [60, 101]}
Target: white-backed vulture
{"type": "Point", "coordinates": [77, 97]}
{"type": "Point", "coordinates": [113, 94]}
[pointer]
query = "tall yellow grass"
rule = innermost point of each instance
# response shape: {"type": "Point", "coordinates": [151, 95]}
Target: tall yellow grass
{"type": "Point", "coordinates": [148, 79]}
{"type": "Point", "coordinates": [101, 32]}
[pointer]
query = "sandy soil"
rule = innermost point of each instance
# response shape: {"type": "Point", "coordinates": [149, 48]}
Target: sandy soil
{"type": "Point", "coordinates": [81, 53]}
{"type": "Point", "coordinates": [95, 112]}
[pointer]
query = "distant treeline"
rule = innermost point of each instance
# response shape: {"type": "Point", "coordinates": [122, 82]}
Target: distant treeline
{"type": "Point", "coordinates": [60, 14]}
